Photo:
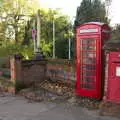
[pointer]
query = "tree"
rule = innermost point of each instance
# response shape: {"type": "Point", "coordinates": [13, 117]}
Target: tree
{"type": "Point", "coordinates": [2, 33]}
{"type": "Point", "coordinates": [15, 14]}
{"type": "Point", "coordinates": [91, 10]}
{"type": "Point", "coordinates": [16, 27]}
{"type": "Point", "coordinates": [61, 32]}
{"type": "Point", "coordinates": [116, 33]}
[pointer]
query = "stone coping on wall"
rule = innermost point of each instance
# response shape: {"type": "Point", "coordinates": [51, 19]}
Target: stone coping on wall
{"type": "Point", "coordinates": [33, 62]}
{"type": "Point", "coordinates": [61, 61]}
{"type": "Point", "coordinates": [47, 61]}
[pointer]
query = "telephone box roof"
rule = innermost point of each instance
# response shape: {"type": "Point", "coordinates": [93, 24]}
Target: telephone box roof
{"type": "Point", "coordinates": [99, 24]}
{"type": "Point", "coordinates": [96, 23]}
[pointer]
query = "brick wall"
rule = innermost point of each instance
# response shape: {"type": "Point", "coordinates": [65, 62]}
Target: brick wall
{"type": "Point", "coordinates": [27, 72]}
{"type": "Point", "coordinates": [61, 70]}
{"type": "Point", "coordinates": [31, 71]}
{"type": "Point", "coordinates": [34, 71]}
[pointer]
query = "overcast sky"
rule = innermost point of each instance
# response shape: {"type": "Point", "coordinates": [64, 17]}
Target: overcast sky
{"type": "Point", "coordinates": [69, 7]}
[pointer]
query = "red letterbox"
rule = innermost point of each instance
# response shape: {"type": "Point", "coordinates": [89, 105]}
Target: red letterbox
{"type": "Point", "coordinates": [90, 65]}
{"type": "Point", "coordinates": [113, 83]}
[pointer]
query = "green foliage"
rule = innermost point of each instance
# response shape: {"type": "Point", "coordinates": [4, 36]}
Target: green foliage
{"type": "Point", "coordinates": [91, 10]}
{"type": "Point", "coordinates": [4, 61]}
{"type": "Point", "coordinates": [62, 27]}
{"type": "Point", "coordinates": [16, 28]}
{"type": "Point", "coordinates": [62, 49]}
{"type": "Point", "coordinates": [15, 15]}
{"type": "Point", "coordinates": [116, 33]}
{"type": "Point", "coordinates": [6, 83]}
{"type": "Point", "coordinates": [20, 85]}
{"type": "Point", "coordinates": [7, 74]}
{"type": "Point", "coordinates": [26, 51]}
{"type": "Point", "coordinates": [46, 48]}
{"type": "Point", "coordinates": [3, 52]}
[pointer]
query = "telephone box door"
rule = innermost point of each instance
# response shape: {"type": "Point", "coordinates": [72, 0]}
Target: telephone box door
{"type": "Point", "coordinates": [89, 67]}
{"type": "Point", "coordinates": [114, 82]}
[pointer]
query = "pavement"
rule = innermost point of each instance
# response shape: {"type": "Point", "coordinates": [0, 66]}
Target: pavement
{"type": "Point", "coordinates": [19, 108]}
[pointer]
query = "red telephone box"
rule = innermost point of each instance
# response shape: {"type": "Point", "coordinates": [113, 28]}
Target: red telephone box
{"type": "Point", "coordinates": [113, 91]}
{"type": "Point", "coordinates": [90, 59]}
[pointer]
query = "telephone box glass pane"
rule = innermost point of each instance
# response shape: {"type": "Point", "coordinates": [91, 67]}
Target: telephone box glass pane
{"type": "Point", "coordinates": [88, 67]}
{"type": "Point", "coordinates": [90, 79]}
{"type": "Point", "coordinates": [88, 73]}
{"type": "Point", "coordinates": [90, 47]}
{"type": "Point", "coordinates": [89, 41]}
{"type": "Point", "coordinates": [88, 86]}
{"type": "Point", "coordinates": [88, 63]}
{"type": "Point", "coordinates": [88, 54]}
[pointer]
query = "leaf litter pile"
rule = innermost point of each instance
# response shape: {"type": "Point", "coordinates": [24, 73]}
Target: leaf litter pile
{"type": "Point", "coordinates": [58, 91]}
{"type": "Point", "coordinates": [48, 90]}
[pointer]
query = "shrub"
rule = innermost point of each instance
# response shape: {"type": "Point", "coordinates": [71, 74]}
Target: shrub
{"type": "Point", "coordinates": [20, 85]}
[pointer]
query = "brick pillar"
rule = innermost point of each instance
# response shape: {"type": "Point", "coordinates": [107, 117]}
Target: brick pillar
{"type": "Point", "coordinates": [15, 66]}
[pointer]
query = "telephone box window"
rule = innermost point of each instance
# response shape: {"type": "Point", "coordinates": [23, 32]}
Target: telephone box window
{"type": "Point", "coordinates": [88, 63]}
